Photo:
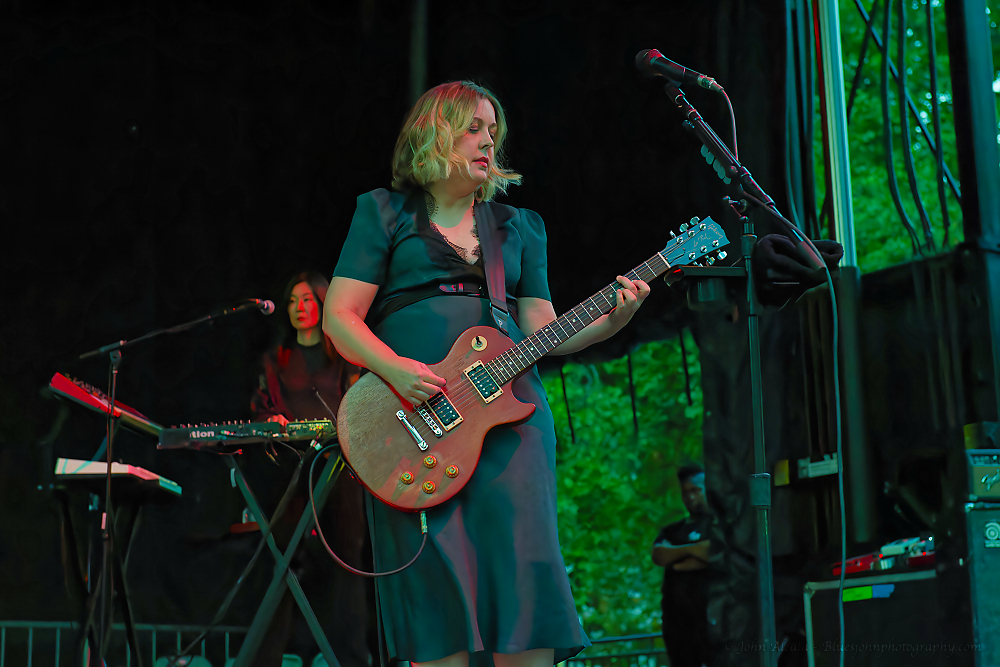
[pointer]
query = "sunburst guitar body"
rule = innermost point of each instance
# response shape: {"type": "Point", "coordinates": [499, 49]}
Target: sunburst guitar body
{"type": "Point", "coordinates": [414, 457]}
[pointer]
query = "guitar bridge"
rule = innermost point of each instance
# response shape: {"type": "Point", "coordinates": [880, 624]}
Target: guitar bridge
{"type": "Point", "coordinates": [483, 382]}
{"type": "Point", "coordinates": [429, 420]}
{"type": "Point", "coordinates": [414, 433]}
{"type": "Point", "coordinates": [444, 411]}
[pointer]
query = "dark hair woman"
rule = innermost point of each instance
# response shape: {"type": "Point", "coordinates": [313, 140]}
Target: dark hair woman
{"type": "Point", "coordinates": [302, 362]}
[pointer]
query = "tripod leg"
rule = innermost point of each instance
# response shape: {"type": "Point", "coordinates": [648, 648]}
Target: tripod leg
{"type": "Point", "coordinates": [86, 642]}
{"type": "Point", "coordinates": [126, 610]}
{"type": "Point", "coordinates": [116, 581]}
{"type": "Point", "coordinates": [107, 593]}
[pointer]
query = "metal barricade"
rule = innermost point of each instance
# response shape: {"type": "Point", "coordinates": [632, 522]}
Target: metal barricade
{"type": "Point", "coordinates": [52, 643]}
{"type": "Point", "coordinates": [626, 651]}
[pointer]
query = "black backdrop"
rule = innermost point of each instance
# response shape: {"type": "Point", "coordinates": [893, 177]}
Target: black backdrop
{"type": "Point", "coordinates": [161, 161]}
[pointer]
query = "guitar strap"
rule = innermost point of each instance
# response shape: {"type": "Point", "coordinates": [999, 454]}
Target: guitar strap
{"type": "Point", "coordinates": [491, 238]}
{"type": "Point", "coordinates": [492, 234]}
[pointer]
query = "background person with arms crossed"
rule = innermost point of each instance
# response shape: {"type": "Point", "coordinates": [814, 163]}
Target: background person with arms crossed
{"type": "Point", "coordinates": [682, 550]}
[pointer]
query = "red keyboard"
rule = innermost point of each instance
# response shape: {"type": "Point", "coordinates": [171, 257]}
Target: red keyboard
{"type": "Point", "coordinates": [93, 398]}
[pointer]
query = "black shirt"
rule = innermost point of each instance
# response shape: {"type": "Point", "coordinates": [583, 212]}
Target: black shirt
{"type": "Point", "coordinates": [291, 376]}
{"type": "Point", "coordinates": [686, 531]}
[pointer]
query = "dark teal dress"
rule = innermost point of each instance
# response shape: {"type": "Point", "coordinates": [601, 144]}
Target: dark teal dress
{"type": "Point", "coordinates": [492, 577]}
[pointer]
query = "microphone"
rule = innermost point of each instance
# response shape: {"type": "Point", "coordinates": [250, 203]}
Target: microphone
{"type": "Point", "coordinates": [652, 63]}
{"type": "Point", "coordinates": [266, 306]}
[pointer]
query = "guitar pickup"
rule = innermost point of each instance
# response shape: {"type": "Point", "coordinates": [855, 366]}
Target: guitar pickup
{"type": "Point", "coordinates": [444, 411]}
{"type": "Point", "coordinates": [484, 383]}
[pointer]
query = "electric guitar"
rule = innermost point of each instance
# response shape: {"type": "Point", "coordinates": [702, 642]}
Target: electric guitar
{"type": "Point", "coordinates": [414, 457]}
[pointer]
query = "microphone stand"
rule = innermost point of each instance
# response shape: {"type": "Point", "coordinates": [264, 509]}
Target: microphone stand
{"type": "Point", "coordinates": [105, 590]}
{"type": "Point", "coordinates": [729, 169]}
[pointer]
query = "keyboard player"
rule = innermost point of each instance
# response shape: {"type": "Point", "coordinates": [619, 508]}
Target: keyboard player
{"type": "Point", "coordinates": [304, 361]}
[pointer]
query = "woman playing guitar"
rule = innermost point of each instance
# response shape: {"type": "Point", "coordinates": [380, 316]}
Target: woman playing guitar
{"type": "Point", "coordinates": [409, 281]}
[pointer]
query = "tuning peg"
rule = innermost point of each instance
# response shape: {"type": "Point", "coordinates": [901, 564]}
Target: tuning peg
{"type": "Point", "coordinates": [722, 254]}
{"type": "Point", "coordinates": [683, 227]}
{"type": "Point", "coordinates": [703, 249]}
{"type": "Point", "coordinates": [710, 261]}
{"type": "Point", "coordinates": [715, 243]}
{"type": "Point", "coordinates": [694, 221]}
{"type": "Point", "coordinates": [691, 256]}
{"type": "Point", "coordinates": [672, 235]}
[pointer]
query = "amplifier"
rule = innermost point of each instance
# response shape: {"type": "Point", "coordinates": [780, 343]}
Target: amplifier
{"type": "Point", "coordinates": [984, 474]}
{"type": "Point", "coordinates": [891, 620]}
{"type": "Point", "coordinates": [969, 580]}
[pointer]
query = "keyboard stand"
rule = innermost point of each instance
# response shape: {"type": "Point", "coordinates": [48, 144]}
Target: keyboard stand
{"type": "Point", "coordinates": [283, 578]}
{"type": "Point", "coordinates": [132, 487]}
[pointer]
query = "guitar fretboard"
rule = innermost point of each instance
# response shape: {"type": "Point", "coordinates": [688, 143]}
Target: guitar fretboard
{"type": "Point", "coordinates": [514, 361]}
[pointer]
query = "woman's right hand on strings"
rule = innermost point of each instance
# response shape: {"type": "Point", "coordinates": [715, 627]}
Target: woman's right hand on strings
{"type": "Point", "coordinates": [413, 380]}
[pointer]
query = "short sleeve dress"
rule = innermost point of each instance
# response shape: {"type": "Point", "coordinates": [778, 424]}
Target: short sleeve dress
{"type": "Point", "coordinates": [492, 577]}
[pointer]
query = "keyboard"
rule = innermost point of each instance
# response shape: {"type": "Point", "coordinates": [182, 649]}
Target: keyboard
{"type": "Point", "coordinates": [80, 470]}
{"type": "Point", "coordinates": [93, 398]}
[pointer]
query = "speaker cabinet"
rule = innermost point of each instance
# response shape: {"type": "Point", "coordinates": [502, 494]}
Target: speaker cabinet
{"type": "Point", "coordinates": [889, 620]}
{"type": "Point", "coordinates": [969, 577]}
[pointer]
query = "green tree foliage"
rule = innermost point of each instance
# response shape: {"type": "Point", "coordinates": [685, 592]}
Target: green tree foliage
{"type": "Point", "coordinates": [615, 493]}
{"type": "Point", "coordinates": [880, 236]}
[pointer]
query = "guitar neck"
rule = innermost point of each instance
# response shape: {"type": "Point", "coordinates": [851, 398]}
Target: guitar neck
{"type": "Point", "coordinates": [522, 356]}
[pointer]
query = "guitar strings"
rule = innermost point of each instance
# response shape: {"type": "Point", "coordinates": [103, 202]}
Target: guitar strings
{"type": "Point", "coordinates": [466, 395]}
{"type": "Point", "coordinates": [512, 362]}
{"type": "Point", "coordinates": [460, 398]}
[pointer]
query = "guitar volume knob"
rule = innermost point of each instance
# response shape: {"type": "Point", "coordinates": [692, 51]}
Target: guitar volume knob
{"type": "Point", "coordinates": [406, 477]}
{"type": "Point", "coordinates": [428, 487]}
{"type": "Point", "coordinates": [451, 471]}
{"type": "Point", "coordinates": [430, 461]}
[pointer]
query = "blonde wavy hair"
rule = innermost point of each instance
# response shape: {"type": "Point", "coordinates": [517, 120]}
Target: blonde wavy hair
{"type": "Point", "coordinates": [425, 150]}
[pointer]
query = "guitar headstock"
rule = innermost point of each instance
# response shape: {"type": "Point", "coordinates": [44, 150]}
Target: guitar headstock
{"type": "Point", "coordinates": [697, 239]}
